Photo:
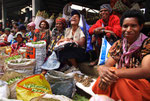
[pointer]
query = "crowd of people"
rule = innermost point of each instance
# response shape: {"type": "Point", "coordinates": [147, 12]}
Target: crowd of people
{"type": "Point", "coordinates": [126, 73]}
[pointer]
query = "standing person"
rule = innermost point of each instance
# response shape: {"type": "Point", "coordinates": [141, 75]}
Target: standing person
{"type": "Point", "coordinates": [130, 81]}
{"type": "Point", "coordinates": [43, 33]}
{"type": "Point", "coordinates": [57, 32]}
{"type": "Point", "coordinates": [109, 24]}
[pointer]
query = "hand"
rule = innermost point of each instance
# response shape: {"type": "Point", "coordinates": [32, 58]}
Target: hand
{"type": "Point", "coordinates": [99, 30]}
{"type": "Point", "coordinates": [107, 75]}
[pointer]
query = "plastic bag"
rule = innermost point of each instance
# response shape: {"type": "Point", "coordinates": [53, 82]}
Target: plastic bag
{"type": "Point", "coordinates": [104, 51]}
{"type": "Point", "coordinates": [50, 22]}
{"type": "Point", "coordinates": [37, 21]}
{"type": "Point", "coordinates": [51, 63]}
{"type": "Point", "coordinates": [22, 65]}
{"type": "Point", "coordinates": [32, 87]}
{"type": "Point", "coordinates": [4, 89]}
{"type": "Point", "coordinates": [12, 78]}
{"type": "Point", "coordinates": [51, 98]}
{"type": "Point", "coordinates": [61, 83]}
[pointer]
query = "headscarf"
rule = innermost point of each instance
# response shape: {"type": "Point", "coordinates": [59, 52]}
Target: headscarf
{"type": "Point", "coordinates": [107, 6]}
{"type": "Point", "coordinates": [135, 46]}
{"type": "Point", "coordinates": [7, 29]}
{"type": "Point", "coordinates": [31, 24]}
{"type": "Point", "coordinates": [62, 20]}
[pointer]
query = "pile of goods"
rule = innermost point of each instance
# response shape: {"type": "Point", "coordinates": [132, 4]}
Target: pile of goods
{"type": "Point", "coordinates": [85, 80]}
{"type": "Point", "coordinates": [37, 50]}
{"type": "Point", "coordinates": [43, 15]}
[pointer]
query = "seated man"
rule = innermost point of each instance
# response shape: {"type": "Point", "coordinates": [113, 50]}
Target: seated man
{"type": "Point", "coordinates": [109, 24]}
{"type": "Point", "coordinates": [130, 81]}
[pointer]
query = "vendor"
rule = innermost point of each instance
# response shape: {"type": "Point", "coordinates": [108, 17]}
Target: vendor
{"type": "Point", "coordinates": [8, 36]}
{"type": "Point", "coordinates": [57, 32]}
{"type": "Point", "coordinates": [20, 43]}
{"type": "Point", "coordinates": [130, 81]}
{"type": "Point", "coordinates": [43, 33]}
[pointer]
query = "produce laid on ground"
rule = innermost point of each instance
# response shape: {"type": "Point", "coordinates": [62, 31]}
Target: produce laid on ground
{"type": "Point", "coordinates": [85, 80]}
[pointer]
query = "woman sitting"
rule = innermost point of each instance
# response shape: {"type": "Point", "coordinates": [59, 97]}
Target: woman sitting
{"type": "Point", "coordinates": [74, 34]}
{"type": "Point", "coordinates": [20, 43]}
{"type": "Point", "coordinates": [130, 81]}
{"type": "Point", "coordinates": [57, 33]}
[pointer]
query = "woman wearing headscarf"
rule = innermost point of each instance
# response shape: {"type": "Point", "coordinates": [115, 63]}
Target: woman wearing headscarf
{"type": "Point", "coordinates": [31, 28]}
{"type": "Point", "coordinates": [20, 43]}
{"type": "Point", "coordinates": [57, 32]}
{"type": "Point", "coordinates": [130, 81]}
{"type": "Point", "coordinates": [43, 33]}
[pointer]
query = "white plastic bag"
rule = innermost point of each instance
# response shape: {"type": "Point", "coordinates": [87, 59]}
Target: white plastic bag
{"type": "Point", "coordinates": [50, 22]}
{"type": "Point", "coordinates": [51, 63]}
{"type": "Point", "coordinates": [104, 51]}
{"type": "Point", "coordinates": [4, 90]}
{"type": "Point", "coordinates": [37, 21]}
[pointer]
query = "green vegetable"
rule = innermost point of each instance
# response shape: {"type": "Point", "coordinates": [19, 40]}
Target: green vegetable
{"type": "Point", "coordinates": [13, 80]}
{"type": "Point", "coordinates": [12, 58]}
{"type": "Point", "coordinates": [36, 88]}
{"type": "Point", "coordinates": [37, 42]}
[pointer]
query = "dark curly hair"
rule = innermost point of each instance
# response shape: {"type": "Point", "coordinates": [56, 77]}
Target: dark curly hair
{"type": "Point", "coordinates": [47, 25]}
{"type": "Point", "coordinates": [133, 13]}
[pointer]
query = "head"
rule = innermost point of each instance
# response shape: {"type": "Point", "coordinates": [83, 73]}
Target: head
{"type": "Point", "coordinates": [19, 37]}
{"type": "Point", "coordinates": [15, 25]}
{"type": "Point", "coordinates": [132, 23]}
{"type": "Point", "coordinates": [31, 26]}
{"type": "Point", "coordinates": [7, 31]}
{"type": "Point", "coordinates": [44, 24]}
{"type": "Point", "coordinates": [22, 28]}
{"type": "Point", "coordinates": [105, 11]}
{"type": "Point", "coordinates": [75, 18]}
{"type": "Point", "coordinates": [60, 24]}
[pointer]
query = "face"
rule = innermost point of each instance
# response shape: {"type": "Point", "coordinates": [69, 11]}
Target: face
{"type": "Point", "coordinates": [104, 13]}
{"type": "Point", "coordinates": [131, 29]}
{"type": "Point", "coordinates": [7, 32]}
{"type": "Point", "coordinates": [59, 26]}
{"type": "Point", "coordinates": [75, 19]}
{"type": "Point", "coordinates": [19, 38]}
{"type": "Point", "coordinates": [43, 25]}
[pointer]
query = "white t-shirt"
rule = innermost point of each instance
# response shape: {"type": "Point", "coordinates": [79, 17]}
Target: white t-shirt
{"type": "Point", "coordinates": [77, 35]}
{"type": "Point", "coordinates": [10, 37]}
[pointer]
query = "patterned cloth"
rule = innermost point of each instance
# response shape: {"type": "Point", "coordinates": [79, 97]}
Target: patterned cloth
{"type": "Point", "coordinates": [116, 52]}
{"type": "Point", "coordinates": [120, 7]}
{"type": "Point", "coordinates": [42, 35]}
{"type": "Point", "coordinates": [15, 47]}
{"type": "Point", "coordinates": [56, 36]}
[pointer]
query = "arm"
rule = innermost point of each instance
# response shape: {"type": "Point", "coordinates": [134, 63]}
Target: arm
{"type": "Point", "coordinates": [81, 42]}
{"type": "Point", "coordinates": [136, 73]}
{"type": "Point", "coordinates": [116, 28]}
{"type": "Point", "coordinates": [96, 25]}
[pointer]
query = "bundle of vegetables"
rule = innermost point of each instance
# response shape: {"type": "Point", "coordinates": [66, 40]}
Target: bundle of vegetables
{"type": "Point", "coordinates": [43, 14]}
{"type": "Point", "coordinates": [39, 42]}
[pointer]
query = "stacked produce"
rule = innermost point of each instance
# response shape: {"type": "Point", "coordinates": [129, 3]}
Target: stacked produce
{"type": "Point", "coordinates": [43, 15]}
{"type": "Point", "coordinates": [40, 54]}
